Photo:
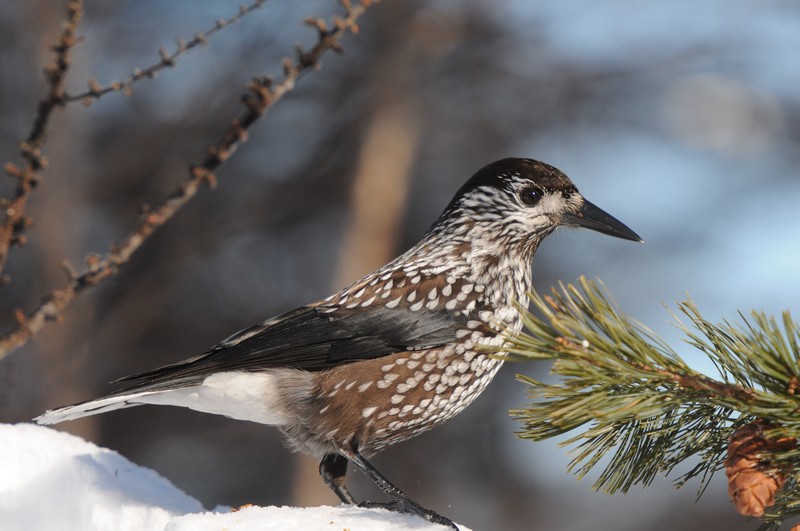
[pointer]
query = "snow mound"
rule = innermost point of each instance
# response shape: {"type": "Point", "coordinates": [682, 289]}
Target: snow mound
{"type": "Point", "coordinates": [311, 518]}
{"type": "Point", "coordinates": [53, 480]}
{"type": "Point", "coordinates": [50, 480]}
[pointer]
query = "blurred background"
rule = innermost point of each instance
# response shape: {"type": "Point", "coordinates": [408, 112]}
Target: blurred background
{"type": "Point", "coordinates": [680, 118]}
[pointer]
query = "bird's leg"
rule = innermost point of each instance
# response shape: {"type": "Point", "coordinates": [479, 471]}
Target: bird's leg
{"type": "Point", "coordinates": [401, 503]}
{"type": "Point", "coordinates": [333, 468]}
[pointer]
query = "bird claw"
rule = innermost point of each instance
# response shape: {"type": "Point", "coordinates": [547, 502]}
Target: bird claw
{"type": "Point", "coordinates": [410, 507]}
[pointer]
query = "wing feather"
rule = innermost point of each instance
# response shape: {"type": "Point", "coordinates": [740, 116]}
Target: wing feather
{"type": "Point", "coordinates": [310, 338]}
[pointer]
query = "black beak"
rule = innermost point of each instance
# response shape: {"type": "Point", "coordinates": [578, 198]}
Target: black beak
{"type": "Point", "coordinates": [594, 218]}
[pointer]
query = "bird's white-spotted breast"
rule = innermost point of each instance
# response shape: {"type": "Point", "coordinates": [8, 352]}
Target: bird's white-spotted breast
{"type": "Point", "coordinates": [383, 401]}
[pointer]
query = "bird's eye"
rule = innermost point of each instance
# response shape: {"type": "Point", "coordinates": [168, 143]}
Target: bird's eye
{"type": "Point", "coordinates": [530, 196]}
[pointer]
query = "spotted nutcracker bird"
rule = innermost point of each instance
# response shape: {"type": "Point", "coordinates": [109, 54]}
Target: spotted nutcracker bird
{"type": "Point", "coordinates": [398, 352]}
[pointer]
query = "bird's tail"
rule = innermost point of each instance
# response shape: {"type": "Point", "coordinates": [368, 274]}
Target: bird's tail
{"type": "Point", "coordinates": [93, 407]}
{"type": "Point", "coordinates": [264, 397]}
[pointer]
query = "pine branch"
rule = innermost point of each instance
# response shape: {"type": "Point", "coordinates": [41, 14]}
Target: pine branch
{"type": "Point", "coordinates": [629, 401]}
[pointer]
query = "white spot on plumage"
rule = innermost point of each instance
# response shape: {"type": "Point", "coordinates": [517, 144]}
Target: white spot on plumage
{"type": "Point", "coordinates": [417, 306]}
{"type": "Point", "coordinates": [393, 303]}
{"type": "Point", "coordinates": [368, 301]}
{"type": "Point", "coordinates": [238, 337]}
{"type": "Point", "coordinates": [367, 411]}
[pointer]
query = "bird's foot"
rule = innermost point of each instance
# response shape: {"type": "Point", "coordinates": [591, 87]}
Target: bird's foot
{"type": "Point", "coordinates": [409, 507]}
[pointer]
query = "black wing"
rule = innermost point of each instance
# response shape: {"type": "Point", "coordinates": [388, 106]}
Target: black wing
{"type": "Point", "coordinates": [308, 338]}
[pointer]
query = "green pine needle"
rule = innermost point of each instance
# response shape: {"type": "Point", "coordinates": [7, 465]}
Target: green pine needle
{"type": "Point", "coordinates": [634, 408]}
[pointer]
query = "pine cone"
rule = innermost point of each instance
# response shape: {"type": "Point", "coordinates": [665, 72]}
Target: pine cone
{"type": "Point", "coordinates": [753, 478]}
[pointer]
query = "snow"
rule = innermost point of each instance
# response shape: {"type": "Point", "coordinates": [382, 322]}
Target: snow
{"type": "Point", "coordinates": [50, 480]}
{"type": "Point", "coordinates": [313, 518]}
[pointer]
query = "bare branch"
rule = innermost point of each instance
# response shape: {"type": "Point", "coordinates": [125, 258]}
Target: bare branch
{"type": "Point", "coordinates": [262, 94]}
{"type": "Point", "coordinates": [28, 176]}
{"type": "Point", "coordinates": [166, 60]}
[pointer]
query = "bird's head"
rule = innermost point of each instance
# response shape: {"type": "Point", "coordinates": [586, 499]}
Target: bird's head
{"type": "Point", "coordinates": [512, 204]}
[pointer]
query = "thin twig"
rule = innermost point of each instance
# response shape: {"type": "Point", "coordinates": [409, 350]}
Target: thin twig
{"type": "Point", "coordinates": [166, 60]}
{"type": "Point", "coordinates": [262, 94]}
{"type": "Point", "coordinates": [28, 176]}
